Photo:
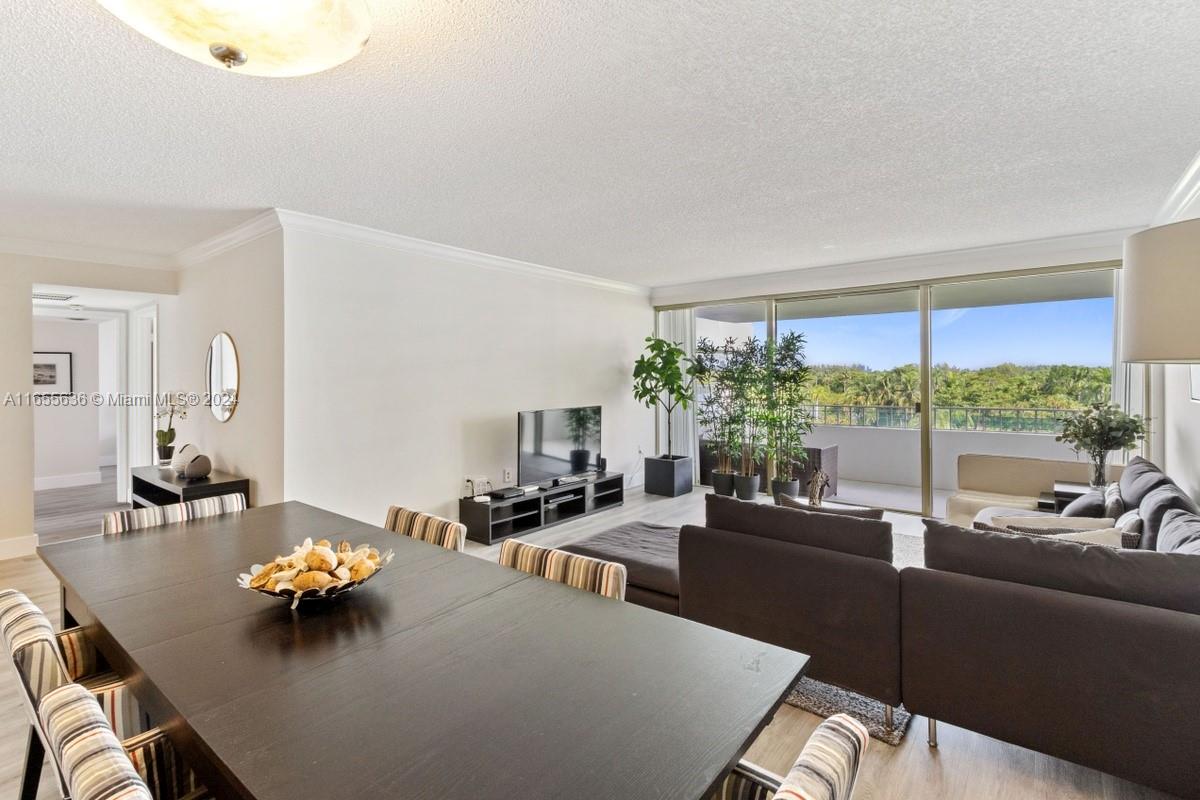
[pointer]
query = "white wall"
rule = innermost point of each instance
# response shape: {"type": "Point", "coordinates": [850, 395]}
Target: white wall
{"type": "Point", "coordinates": [239, 291]}
{"type": "Point", "coordinates": [893, 455]}
{"type": "Point", "coordinates": [404, 372]}
{"type": "Point", "coordinates": [1181, 429]}
{"type": "Point", "coordinates": [67, 438]}
{"type": "Point", "coordinates": [108, 383]}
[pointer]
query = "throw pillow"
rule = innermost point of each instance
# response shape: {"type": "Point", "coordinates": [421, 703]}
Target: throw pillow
{"type": "Point", "coordinates": [1137, 480]}
{"type": "Point", "coordinates": [864, 513]}
{"type": "Point", "coordinates": [1051, 523]}
{"type": "Point", "coordinates": [1114, 506]}
{"type": "Point", "coordinates": [1154, 508]}
{"type": "Point", "coordinates": [1090, 504]}
{"type": "Point", "coordinates": [1179, 533]}
{"type": "Point", "coordinates": [1130, 521]}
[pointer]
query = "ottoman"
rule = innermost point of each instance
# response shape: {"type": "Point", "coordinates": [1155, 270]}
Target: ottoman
{"type": "Point", "coordinates": [650, 554]}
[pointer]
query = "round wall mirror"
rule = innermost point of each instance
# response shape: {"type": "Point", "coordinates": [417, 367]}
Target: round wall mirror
{"type": "Point", "coordinates": [222, 371]}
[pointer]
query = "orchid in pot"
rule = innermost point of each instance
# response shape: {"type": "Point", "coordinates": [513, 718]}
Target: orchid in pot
{"type": "Point", "coordinates": [175, 407]}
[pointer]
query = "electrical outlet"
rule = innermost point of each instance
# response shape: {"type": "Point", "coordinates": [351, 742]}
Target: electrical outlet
{"type": "Point", "coordinates": [475, 484]}
{"type": "Point", "coordinates": [507, 475]}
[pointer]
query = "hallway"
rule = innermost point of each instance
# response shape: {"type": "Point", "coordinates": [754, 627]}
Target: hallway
{"type": "Point", "coordinates": [60, 515]}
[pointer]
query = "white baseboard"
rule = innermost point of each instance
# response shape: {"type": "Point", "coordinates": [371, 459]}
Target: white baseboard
{"type": "Point", "coordinates": [18, 546]}
{"type": "Point", "coordinates": [66, 481]}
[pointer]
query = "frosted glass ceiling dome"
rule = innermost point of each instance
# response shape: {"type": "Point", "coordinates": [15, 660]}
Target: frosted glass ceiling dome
{"type": "Point", "coordinates": [272, 38]}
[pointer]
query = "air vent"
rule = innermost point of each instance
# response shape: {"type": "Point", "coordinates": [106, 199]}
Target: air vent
{"type": "Point", "coordinates": [55, 296]}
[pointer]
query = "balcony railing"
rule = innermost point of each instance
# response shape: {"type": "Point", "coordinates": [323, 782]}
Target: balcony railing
{"type": "Point", "coordinates": [946, 418]}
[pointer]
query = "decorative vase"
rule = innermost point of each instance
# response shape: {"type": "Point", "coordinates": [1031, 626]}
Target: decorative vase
{"type": "Point", "coordinates": [791, 488]}
{"type": "Point", "coordinates": [722, 483]}
{"type": "Point", "coordinates": [746, 486]}
{"type": "Point", "coordinates": [165, 451]}
{"type": "Point", "coordinates": [1099, 472]}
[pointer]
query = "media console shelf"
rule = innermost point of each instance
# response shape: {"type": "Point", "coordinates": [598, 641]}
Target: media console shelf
{"type": "Point", "coordinates": [490, 522]}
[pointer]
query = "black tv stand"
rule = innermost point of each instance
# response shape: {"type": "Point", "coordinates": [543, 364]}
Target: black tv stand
{"type": "Point", "coordinates": [488, 523]}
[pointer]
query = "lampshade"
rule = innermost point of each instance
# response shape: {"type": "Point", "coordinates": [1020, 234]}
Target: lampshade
{"type": "Point", "coordinates": [1160, 295]}
{"type": "Point", "coordinates": [273, 38]}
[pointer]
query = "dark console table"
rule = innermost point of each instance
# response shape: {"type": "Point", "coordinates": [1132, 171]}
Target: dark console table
{"type": "Point", "coordinates": [490, 522]}
{"type": "Point", "coordinates": [160, 486]}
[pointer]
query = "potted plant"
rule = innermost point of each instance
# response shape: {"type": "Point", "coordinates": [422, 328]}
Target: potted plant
{"type": "Point", "coordinates": [664, 376]}
{"type": "Point", "coordinates": [717, 411]}
{"type": "Point", "coordinates": [165, 437]}
{"type": "Point", "coordinates": [582, 424]}
{"type": "Point", "coordinates": [748, 387]}
{"type": "Point", "coordinates": [1098, 430]}
{"type": "Point", "coordinates": [786, 417]}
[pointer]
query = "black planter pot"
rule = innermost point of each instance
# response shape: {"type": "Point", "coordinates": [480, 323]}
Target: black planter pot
{"type": "Point", "coordinates": [165, 452]}
{"type": "Point", "coordinates": [669, 476]}
{"type": "Point", "coordinates": [580, 460]}
{"type": "Point", "coordinates": [746, 486]}
{"type": "Point", "coordinates": [790, 488]}
{"type": "Point", "coordinates": [722, 483]}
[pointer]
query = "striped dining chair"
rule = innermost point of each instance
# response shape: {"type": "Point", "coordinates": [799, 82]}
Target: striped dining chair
{"type": "Point", "coordinates": [133, 519]}
{"type": "Point", "coordinates": [827, 768]}
{"type": "Point", "coordinates": [427, 528]}
{"type": "Point", "coordinates": [47, 663]}
{"type": "Point", "coordinates": [606, 578]}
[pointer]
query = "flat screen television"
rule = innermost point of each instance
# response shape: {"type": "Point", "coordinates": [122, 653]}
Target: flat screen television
{"type": "Point", "coordinates": [556, 442]}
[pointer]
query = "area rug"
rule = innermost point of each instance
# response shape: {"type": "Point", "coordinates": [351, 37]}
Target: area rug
{"type": "Point", "coordinates": [825, 701]}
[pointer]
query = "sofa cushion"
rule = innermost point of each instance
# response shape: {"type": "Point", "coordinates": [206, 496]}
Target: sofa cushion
{"type": "Point", "coordinates": [1138, 479]}
{"type": "Point", "coordinates": [852, 535]}
{"type": "Point", "coordinates": [649, 552]}
{"type": "Point", "coordinates": [846, 511]}
{"type": "Point", "coordinates": [1089, 504]}
{"type": "Point", "coordinates": [1166, 580]}
{"type": "Point", "coordinates": [1154, 507]}
{"type": "Point", "coordinates": [1054, 523]}
{"type": "Point", "coordinates": [1179, 533]}
{"type": "Point", "coordinates": [989, 515]}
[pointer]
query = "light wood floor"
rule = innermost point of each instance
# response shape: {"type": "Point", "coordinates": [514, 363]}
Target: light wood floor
{"type": "Point", "coordinates": [60, 515]}
{"type": "Point", "coordinates": [967, 766]}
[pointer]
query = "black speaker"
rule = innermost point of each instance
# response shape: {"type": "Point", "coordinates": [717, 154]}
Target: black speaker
{"type": "Point", "coordinates": [602, 464]}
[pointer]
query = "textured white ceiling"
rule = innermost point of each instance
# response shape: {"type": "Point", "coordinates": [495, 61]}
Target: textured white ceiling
{"type": "Point", "coordinates": [652, 141]}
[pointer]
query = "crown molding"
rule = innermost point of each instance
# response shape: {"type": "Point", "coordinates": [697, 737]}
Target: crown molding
{"type": "Point", "coordinates": [1184, 200]}
{"type": "Point", "coordinates": [1012, 256]}
{"type": "Point", "coordinates": [321, 226]}
{"type": "Point", "coordinates": [67, 251]}
{"type": "Point", "coordinates": [254, 228]}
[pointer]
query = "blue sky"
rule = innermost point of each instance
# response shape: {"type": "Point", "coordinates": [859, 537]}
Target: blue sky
{"type": "Point", "coordinates": [1061, 332]}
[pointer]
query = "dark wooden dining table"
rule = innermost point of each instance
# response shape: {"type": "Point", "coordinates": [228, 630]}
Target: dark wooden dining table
{"type": "Point", "coordinates": [444, 676]}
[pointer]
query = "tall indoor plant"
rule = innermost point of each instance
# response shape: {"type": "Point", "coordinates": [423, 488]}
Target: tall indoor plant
{"type": "Point", "coordinates": [1099, 430]}
{"type": "Point", "coordinates": [786, 413]}
{"type": "Point", "coordinates": [717, 410]}
{"type": "Point", "coordinates": [664, 377]}
{"type": "Point", "coordinates": [749, 387]}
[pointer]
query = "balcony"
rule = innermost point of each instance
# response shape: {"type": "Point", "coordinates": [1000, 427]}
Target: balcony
{"type": "Point", "coordinates": [879, 448]}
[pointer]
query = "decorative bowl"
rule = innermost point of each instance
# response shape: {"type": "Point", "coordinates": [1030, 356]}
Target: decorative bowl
{"type": "Point", "coordinates": [327, 572]}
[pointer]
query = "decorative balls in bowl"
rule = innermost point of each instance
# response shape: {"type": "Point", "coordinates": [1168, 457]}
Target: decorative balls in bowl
{"type": "Point", "coordinates": [315, 571]}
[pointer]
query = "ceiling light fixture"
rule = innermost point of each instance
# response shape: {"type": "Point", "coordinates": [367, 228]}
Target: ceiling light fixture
{"type": "Point", "coordinates": [270, 38]}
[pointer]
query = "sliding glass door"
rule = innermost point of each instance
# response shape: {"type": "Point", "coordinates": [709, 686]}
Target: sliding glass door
{"type": "Point", "coordinates": [1013, 357]}
{"type": "Point", "coordinates": [864, 350]}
